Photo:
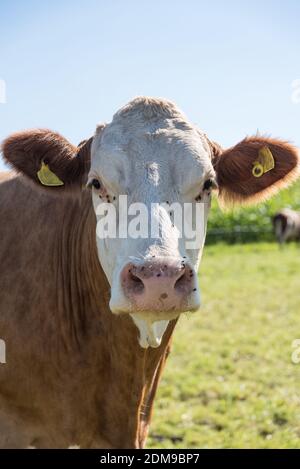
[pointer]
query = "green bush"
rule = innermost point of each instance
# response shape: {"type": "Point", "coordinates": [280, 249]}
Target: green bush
{"type": "Point", "coordinates": [249, 224]}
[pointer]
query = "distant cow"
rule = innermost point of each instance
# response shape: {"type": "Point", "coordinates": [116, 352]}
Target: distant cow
{"type": "Point", "coordinates": [286, 225]}
{"type": "Point", "coordinates": [87, 321]}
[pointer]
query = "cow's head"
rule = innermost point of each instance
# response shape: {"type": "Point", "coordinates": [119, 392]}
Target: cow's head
{"type": "Point", "coordinates": [152, 155]}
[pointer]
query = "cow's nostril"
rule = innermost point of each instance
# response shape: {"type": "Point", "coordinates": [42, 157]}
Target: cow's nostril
{"type": "Point", "coordinates": [180, 282]}
{"type": "Point", "coordinates": [183, 283]}
{"type": "Point", "coordinates": [136, 284]}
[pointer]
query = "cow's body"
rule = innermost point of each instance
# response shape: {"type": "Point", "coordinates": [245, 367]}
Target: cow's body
{"type": "Point", "coordinates": [286, 224]}
{"type": "Point", "coordinates": [87, 320]}
{"type": "Point", "coordinates": [75, 373]}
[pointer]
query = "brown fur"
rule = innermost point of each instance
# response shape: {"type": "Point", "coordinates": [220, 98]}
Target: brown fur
{"type": "Point", "coordinates": [26, 150]}
{"type": "Point", "coordinates": [234, 170]}
{"type": "Point", "coordinates": [75, 373]}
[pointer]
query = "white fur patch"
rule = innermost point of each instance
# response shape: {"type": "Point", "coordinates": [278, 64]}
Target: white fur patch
{"type": "Point", "coordinates": [153, 173]}
{"type": "Point", "coordinates": [151, 154]}
{"type": "Point", "coordinates": [151, 333]}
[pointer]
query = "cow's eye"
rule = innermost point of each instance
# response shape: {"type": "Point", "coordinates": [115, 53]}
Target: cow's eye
{"type": "Point", "coordinates": [96, 184]}
{"type": "Point", "coordinates": [210, 184]}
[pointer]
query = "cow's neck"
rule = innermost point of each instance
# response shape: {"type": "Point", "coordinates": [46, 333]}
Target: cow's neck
{"type": "Point", "coordinates": [126, 375]}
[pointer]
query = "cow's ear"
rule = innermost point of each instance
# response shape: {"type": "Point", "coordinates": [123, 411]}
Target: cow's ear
{"type": "Point", "coordinates": [254, 169]}
{"type": "Point", "coordinates": [48, 159]}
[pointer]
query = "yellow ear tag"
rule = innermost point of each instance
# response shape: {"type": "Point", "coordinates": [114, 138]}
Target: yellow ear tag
{"type": "Point", "coordinates": [264, 163]}
{"type": "Point", "coordinates": [47, 177]}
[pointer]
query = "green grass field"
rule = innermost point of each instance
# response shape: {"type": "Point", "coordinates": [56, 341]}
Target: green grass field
{"type": "Point", "coordinates": [230, 381]}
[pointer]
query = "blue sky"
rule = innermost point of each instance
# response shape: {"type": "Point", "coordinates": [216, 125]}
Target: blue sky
{"type": "Point", "coordinates": [229, 65]}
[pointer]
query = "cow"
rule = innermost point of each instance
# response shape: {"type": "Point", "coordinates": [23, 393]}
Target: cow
{"type": "Point", "coordinates": [87, 320]}
{"type": "Point", "coordinates": [286, 225]}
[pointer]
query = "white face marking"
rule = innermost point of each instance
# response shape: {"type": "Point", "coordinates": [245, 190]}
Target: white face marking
{"type": "Point", "coordinates": [153, 155]}
{"type": "Point", "coordinates": [153, 173]}
{"type": "Point", "coordinates": [151, 333]}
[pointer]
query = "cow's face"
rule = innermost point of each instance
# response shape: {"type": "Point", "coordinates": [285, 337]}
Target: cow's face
{"type": "Point", "coordinates": [154, 157]}
{"type": "Point", "coordinates": [150, 155]}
